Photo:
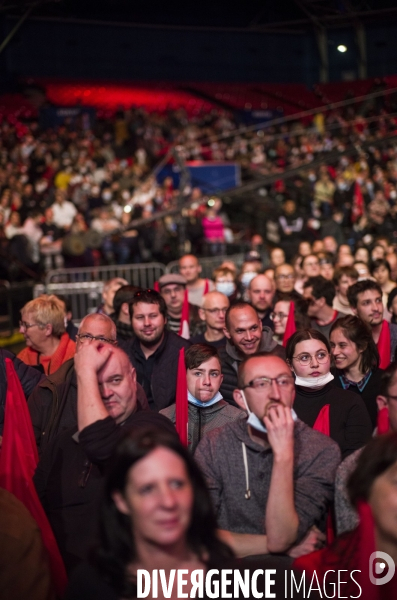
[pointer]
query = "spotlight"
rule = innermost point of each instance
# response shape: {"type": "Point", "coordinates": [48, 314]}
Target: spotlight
{"type": "Point", "coordinates": [127, 208]}
{"type": "Point", "coordinates": [342, 48]}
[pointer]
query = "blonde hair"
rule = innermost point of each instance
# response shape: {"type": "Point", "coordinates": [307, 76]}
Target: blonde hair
{"type": "Point", "coordinates": [47, 310]}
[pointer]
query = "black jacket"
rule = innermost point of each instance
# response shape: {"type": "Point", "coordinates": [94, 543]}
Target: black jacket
{"type": "Point", "coordinates": [368, 394]}
{"type": "Point", "coordinates": [53, 404]}
{"type": "Point", "coordinates": [230, 359]}
{"type": "Point", "coordinates": [164, 375]}
{"type": "Point", "coordinates": [28, 376]}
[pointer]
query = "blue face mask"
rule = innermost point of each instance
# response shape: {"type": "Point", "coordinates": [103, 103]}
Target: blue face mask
{"type": "Point", "coordinates": [225, 287]}
{"type": "Point", "coordinates": [255, 421]}
{"type": "Point", "coordinates": [190, 398]}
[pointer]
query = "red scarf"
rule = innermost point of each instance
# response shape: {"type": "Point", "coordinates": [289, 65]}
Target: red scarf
{"type": "Point", "coordinates": [66, 349]}
{"type": "Point", "coordinates": [206, 287]}
{"type": "Point", "coordinates": [181, 406]}
{"type": "Point", "coordinates": [321, 424]}
{"type": "Point", "coordinates": [384, 346]}
{"type": "Point", "coordinates": [18, 462]}
{"type": "Point", "coordinates": [290, 327]}
{"type": "Point", "coordinates": [184, 326]}
{"type": "Point", "coordinates": [383, 424]}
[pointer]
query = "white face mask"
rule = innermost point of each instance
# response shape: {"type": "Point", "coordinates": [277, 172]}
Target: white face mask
{"type": "Point", "coordinates": [255, 421]}
{"type": "Point", "coordinates": [247, 277]}
{"type": "Point", "coordinates": [225, 287]}
{"type": "Point", "coordinates": [314, 382]}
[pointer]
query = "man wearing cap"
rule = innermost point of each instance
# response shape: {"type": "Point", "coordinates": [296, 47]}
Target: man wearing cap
{"type": "Point", "coordinates": [173, 289]}
{"type": "Point", "coordinates": [197, 287]}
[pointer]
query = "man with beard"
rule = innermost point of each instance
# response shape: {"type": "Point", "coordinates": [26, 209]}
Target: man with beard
{"type": "Point", "coordinates": [365, 298]}
{"type": "Point", "coordinates": [260, 293]}
{"type": "Point", "coordinates": [154, 351]}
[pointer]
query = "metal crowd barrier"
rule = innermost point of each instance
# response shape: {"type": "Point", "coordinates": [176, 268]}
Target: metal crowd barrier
{"type": "Point", "coordinates": [209, 263]}
{"type": "Point", "coordinates": [143, 275]}
{"type": "Point", "coordinates": [84, 297]}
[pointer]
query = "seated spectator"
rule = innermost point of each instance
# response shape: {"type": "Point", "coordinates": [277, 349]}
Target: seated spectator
{"type": "Point", "coordinates": [318, 403]}
{"type": "Point", "coordinates": [212, 313]}
{"type": "Point", "coordinates": [281, 312]}
{"type": "Point", "coordinates": [392, 305]}
{"type": "Point", "coordinates": [345, 257]}
{"type": "Point", "coordinates": [270, 478]}
{"type": "Point", "coordinates": [63, 211]}
{"type": "Point", "coordinates": [245, 336]}
{"type": "Point", "coordinates": [53, 403]}
{"type": "Point", "coordinates": [362, 255]}
{"type": "Point", "coordinates": [249, 270]}
{"type": "Point", "coordinates": [121, 314]}
{"type": "Point", "coordinates": [69, 475]}
{"type": "Point", "coordinates": [109, 289]}
{"type": "Point", "coordinates": [365, 298]}
{"type": "Point", "coordinates": [24, 566]}
{"type": "Point", "coordinates": [172, 288]}
{"type": "Point", "coordinates": [362, 270]}
{"type": "Point", "coordinates": [284, 279]}
{"type": "Point", "coordinates": [277, 257]}
{"type": "Point", "coordinates": [304, 248]}
{"type": "Point", "coordinates": [320, 293]}
{"type": "Point", "coordinates": [356, 361]}
{"type": "Point", "coordinates": [260, 293]}
{"type": "Point", "coordinates": [372, 491]}
{"type": "Point", "coordinates": [197, 287]}
{"type": "Point", "coordinates": [346, 514]}
{"type": "Point", "coordinates": [326, 265]}
{"type": "Point", "coordinates": [206, 408]}
{"type": "Point", "coordinates": [154, 351]}
{"type": "Point", "coordinates": [381, 271]}
{"type": "Point", "coordinates": [310, 267]}
{"type": "Point", "coordinates": [225, 283]}
{"type": "Point", "coordinates": [343, 278]}
{"type": "Point", "coordinates": [48, 345]}
{"type": "Point", "coordinates": [70, 327]}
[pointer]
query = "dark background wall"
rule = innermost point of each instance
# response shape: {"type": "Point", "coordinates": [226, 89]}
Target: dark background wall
{"type": "Point", "coordinates": [50, 48]}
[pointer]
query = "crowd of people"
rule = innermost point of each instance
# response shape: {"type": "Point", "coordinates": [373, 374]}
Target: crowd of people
{"type": "Point", "coordinates": [69, 194]}
{"type": "Point", "coordinates": [286, 373]}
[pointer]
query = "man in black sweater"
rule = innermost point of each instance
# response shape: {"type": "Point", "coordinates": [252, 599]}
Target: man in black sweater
{"type": "Point", "coordinates": [154, 351]}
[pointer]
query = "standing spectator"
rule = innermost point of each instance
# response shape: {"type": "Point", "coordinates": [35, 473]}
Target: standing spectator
{"type": "Point", "coordinates": [214, 232]}
{"type": "Point", "coordinates": [324, 190]}
{"type": "Point", "coordinates": [291, 226]}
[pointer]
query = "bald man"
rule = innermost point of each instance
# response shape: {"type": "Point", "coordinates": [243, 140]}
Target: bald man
{"type": "Point", "coordinates": [260, 294]}
{"type": "Point", "coordinates": [212, 312]}
{"type": "Point", "coordinates": [190, 268]}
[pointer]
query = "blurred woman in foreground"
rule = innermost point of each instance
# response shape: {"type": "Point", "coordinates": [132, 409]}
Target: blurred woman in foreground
{"type": "Point", "coordinates": [373, 491]}
{"type": "Point", "coordinates": [156, 514]}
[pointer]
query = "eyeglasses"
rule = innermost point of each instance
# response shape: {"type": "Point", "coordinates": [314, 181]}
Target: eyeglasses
{"type": "Point", "coordinates": [26, 326]}
{"type": "Point", "coordinates": [216, 311]}
{"type": "Point", "coordinates": [279, 315]}
{"type": "Point", "coordinates": [285, 276]}
{"type": "Point", "coordinates": [87, 337]}
{"type": "Point", "coordinates": [306, 359]}
{"type": "Point", "coordinates": [264, 383]}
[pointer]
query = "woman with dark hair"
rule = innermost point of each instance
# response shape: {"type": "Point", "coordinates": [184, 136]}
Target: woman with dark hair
{"type": "Point", "coordinates": [156, 513]}
{"type": "Point", "coordinates": [337, 413]}
{"type": "Point", "coordinates": [373, 491]}
{"type": "Point", "coordinates": [381, 270]}
{"type": "Point", "coordinates": [356, 361]}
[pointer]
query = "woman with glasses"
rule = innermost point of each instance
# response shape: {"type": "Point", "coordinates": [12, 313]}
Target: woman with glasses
{"type": "Point", "coordinates": [340, 414]}
{"type": "Point", "coordinates": [356, 360]}
{"type": "Point", "coordinates": [48, 345]}
{"type": "Point", "coordinates": [280, 314]}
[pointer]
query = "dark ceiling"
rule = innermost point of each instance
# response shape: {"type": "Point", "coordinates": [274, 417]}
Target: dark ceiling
{"type": "Point", "coordinates": [267, 15]}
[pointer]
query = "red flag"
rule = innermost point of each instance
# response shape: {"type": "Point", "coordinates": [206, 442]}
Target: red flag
{"type": "Point", "coordinates": [206, 287]}
{"type": "Point", "coordinates": [321, 424]}
{"type": "Point", "coordinates": [358, 203]}
{"type": "Point", "coordinates": [156, 286]}
{"type": "Point", "coordinates": [290, 326]}
{"type": "Point", "coordinates": [18, 462]}
{"type": "Point", "coordinates": [384, 346]}
{"type": "Point", "coordinates": [184, 326]}
{"type": "Point", "coordinates": [181, 406]}
{"type": "Point", "coordinates": [383, 423]}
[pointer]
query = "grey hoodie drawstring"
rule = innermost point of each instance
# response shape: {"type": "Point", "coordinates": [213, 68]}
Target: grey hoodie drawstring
{"type": "Point", "coordinates": [247, 482]}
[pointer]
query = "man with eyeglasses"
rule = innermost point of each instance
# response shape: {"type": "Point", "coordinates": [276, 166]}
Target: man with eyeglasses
{"type": "Point", "coordinates": [53, 403]}
{"type": "Point", "coordinates": [284, 277]}
{"type": "Point", "coordinates": [270, 476]}
{"type": "Point", "coordinates": [212, 313]}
